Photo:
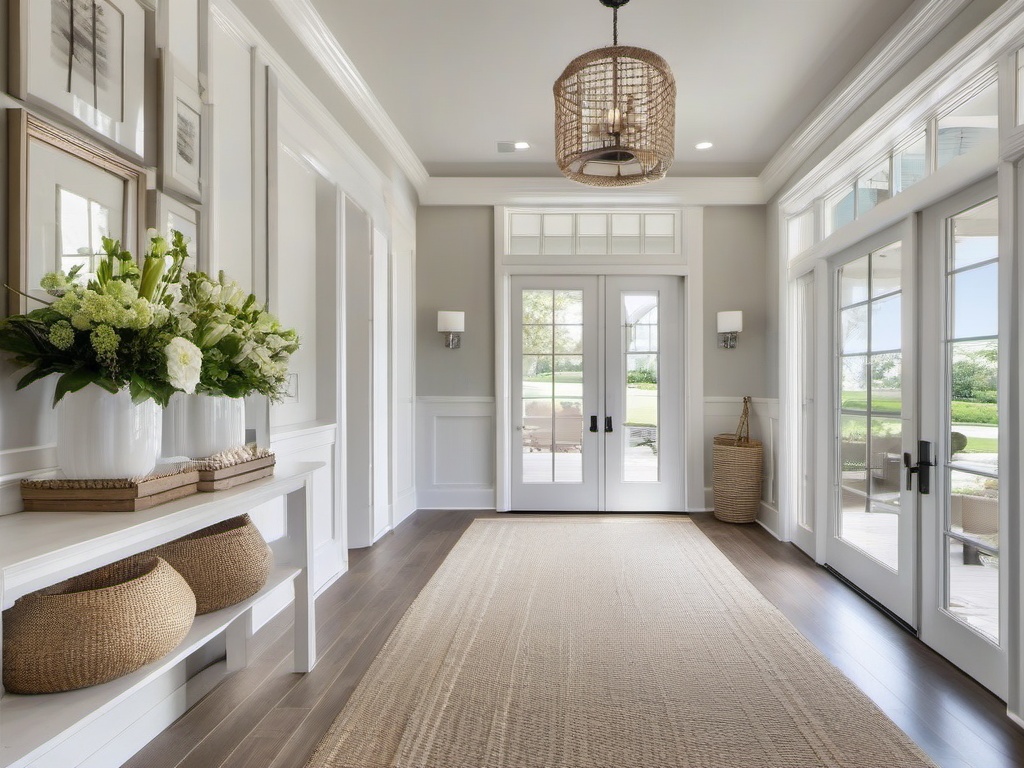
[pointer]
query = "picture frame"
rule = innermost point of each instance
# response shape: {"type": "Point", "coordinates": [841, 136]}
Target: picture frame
{"type": "Point", "coordinates": [181, 131]}
{"type": "Point", "coordinates": [65, 193]}
{"type": "Point", "coordinates": [85, 59]}
{"type": "Point", "coordinates": [166, 213]}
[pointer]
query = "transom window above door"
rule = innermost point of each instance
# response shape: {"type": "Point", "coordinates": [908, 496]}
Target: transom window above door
{"type": "Point", "coordinates": [586, 235]}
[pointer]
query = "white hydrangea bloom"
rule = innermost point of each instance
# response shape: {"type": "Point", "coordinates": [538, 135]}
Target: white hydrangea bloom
{"type": "Point", "coordinates": [184, 364]}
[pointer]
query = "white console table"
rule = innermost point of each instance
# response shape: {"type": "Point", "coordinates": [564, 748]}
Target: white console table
{"type": "Point", "coordinates": [41, 548]}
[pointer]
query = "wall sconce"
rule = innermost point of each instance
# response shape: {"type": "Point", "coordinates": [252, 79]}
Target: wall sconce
{"type": "Point", "coordinates": [729, 324]}
{"type": "Point", "coordinates": [451, 324]}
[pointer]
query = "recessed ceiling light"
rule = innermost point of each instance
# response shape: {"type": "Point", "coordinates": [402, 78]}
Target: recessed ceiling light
{"type": "Point", "coordinates": [703, 145]}
{"type": "Point", "coordinates": [513, 146]}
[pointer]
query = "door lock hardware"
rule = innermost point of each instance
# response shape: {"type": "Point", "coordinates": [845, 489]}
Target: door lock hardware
{"type": "Point", "coordinates": [593, 423]}
{"type": "Point", "coordinates": [608, 424]}
{"type": "Point", "coordinates": [922, 468]}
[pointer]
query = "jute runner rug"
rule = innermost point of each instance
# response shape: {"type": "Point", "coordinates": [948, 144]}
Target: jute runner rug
{"type": "Point", "coordinates": [602, 643]}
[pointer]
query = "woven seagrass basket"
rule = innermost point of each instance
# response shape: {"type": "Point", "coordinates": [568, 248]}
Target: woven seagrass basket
{"type": "Point", "coordinates": [737, 467]}
{"type": "Point", "coordinates": [95, 627]}
{"type": "Point", "coordinates": [224, 564]}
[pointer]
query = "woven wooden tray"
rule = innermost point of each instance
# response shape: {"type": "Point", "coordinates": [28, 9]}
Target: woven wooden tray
{"type": "Point", "coordinates": [58, 495]}
{"type": "Point", "coordinates": [222, 478]}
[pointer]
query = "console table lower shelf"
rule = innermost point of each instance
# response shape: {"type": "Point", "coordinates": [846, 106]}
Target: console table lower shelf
{"type": "Point", "coordinates": [103, 725]}
{"type": "Point", "coordinates": [33, 726]}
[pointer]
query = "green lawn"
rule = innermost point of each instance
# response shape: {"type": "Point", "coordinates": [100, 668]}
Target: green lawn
{"type": "Point", "coordinates": [889, 401]}
{"type": "Point", "coordinates": [982, 445]}
{"type": "Point", "coordinates": [642, 406]}
{"type": "Point", "coordinates": [642, 403]}
{"type": "Point", "coordinates": [882, 401]}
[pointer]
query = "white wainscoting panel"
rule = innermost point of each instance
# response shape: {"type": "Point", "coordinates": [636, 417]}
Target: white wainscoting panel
{"type": "Point", "coordinates": [455, 452]}
{"type": "Point", "coordinates": [721, 415]}
{"type": "Point", "coordinates": [319, 444]}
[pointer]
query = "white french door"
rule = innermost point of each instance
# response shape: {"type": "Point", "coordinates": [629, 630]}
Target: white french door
{"type": "Point", "coordinates": [872, 525]}
{"type": "Point", "coordinates": [964, 589]}
{"type": "Point", "coordinates": [596, 394]}
{"type": "Point", "coordinates": [916, 512]}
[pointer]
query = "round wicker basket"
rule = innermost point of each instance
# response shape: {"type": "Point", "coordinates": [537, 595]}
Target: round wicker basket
{"type": "Point", "coordinates": [224, 564]}
{"type": "Point", "coordinates": [95, 627]}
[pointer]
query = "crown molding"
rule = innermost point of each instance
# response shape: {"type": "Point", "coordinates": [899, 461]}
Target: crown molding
{"type": "Point", "coordinates": [314, 33]}
{"type": "Point", "coordinates": [557, 190]}
{"type": "Point", "coordinates": [969, 59]}
{"type": "Point", "coordinates": [919, 24]}
{"type": "Point", "coordinates": [358, 175]}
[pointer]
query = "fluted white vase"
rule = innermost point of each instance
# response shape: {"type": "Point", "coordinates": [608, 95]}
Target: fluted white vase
{"type": "Point", "coordinates": [198, 426]}
{"type": "Point", "coordinates": [106, 436]}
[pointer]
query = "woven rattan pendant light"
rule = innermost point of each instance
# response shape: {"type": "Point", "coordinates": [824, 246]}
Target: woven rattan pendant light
{"type": "Point", "coordinates": [615, 114]}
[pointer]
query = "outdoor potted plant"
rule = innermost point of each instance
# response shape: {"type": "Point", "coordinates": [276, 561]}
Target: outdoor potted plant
{"type": "Point", "coordinates": [118, 352]}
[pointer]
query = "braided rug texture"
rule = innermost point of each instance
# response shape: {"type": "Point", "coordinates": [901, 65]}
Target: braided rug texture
{"type": "Point", "coordinates": [602, 643]}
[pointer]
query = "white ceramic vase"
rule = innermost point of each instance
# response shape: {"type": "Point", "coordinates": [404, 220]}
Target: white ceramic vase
{"type": "Point", "coordinates": [198, 426]}
{"type": "Point", "coordinates": [105, 436]}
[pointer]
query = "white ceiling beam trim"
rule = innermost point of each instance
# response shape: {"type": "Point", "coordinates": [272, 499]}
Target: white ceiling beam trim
{"type": "Point", "coordinates": [978, 49]}
{"type": "Point", "coordinates": [923, 21]}
{"type": "Point", "coordinates": [314, 33]}
{"type": "Point", "coordinates": [560, 191]}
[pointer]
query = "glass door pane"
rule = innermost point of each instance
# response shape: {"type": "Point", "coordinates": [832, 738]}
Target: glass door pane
{"type": "Point", "coordinates": [552, 386]}
{"type": "Point", "coordinates": [971, 532]}
{"type": "Point", "coordinates": [640, 328]}
{"type": "Point", "coordinates": [870, 404]}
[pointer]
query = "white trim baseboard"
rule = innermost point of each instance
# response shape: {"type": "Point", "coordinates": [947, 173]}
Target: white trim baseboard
{"type": "Point", "coordinates": [403, 507]}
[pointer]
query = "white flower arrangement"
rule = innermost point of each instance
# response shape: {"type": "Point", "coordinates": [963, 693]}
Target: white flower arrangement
{"type": "Point", "coordinates": [245, 349]}
{"type": "Point", "coordinates": [154, 331]}
{"type": "Point", "coordinates": [115, 331]}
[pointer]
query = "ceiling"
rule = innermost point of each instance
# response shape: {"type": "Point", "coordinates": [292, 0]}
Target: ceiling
{"type": "Point", "coordinates": [458, 76]}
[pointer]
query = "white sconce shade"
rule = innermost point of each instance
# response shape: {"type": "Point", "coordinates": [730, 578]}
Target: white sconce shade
{"type": "Point", "coordinates": [451, 324]}
{"type": "Point", "coordinates": [729, 324]}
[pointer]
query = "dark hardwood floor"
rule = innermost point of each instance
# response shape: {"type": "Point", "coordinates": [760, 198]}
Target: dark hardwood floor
{"type": "Point", "coordinates": [268, 717]}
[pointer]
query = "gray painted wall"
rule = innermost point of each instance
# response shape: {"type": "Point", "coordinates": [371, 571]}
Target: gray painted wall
{"type": "Point", "coordinates": [735, 278]}
{"type": "Point", "coordinates": [455, 270]}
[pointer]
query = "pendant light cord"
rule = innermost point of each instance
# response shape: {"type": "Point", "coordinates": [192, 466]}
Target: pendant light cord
{"type": "Point", "coordinates": [615, 26]}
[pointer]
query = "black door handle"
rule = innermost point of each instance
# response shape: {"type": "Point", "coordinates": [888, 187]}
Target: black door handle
{"type": "Point", "coordinates": [608, 424]}
{"type": "Point", "coordinates": [911, 471]}
{"type": "Point", "coordinates": [923, 468]}
{"type": "Point", "coordinates": [593, 423]}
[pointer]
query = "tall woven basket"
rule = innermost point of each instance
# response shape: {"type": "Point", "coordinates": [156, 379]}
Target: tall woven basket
{"type": "Point", "coordinates": [737, 467]}
{"type": "Point", "coordinates": [95, 627]}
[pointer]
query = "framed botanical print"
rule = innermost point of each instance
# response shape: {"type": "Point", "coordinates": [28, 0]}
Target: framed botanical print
{"type": "Point", "coordinates": [167, 213]}
{"type": "Point", "coordinates": [181, 131]}
{"type": "Point", "coordinates": [86, 59]}
{"type": "Point", "coordinates": [66, 194]}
